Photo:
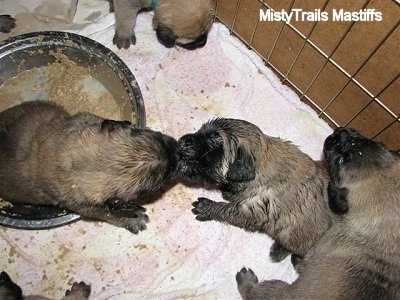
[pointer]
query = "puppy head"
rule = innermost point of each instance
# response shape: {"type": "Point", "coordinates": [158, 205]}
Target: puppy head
{"type": "Point", "coordinates": [148, 157]}
{"type": "Point", "coordinates": [220, 152]}
{"type": "Point", "coordinates": [124, 159]}
{"type": "Point", "coordinates": [352, 158]}
{"type": "Point", "coordinates": [184, 23]}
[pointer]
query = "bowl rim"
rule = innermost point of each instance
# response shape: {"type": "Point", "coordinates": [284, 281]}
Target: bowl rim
{"type": "Point", "coordinates": [23, 41]}
{"type": "Point", "coordinates": [54, 37]}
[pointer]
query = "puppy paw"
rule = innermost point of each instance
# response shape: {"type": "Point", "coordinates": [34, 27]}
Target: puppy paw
{"type": "Point", "coordinates": [245, 277]}
{"type": "Point", "coordinates": [277, 253]}
{"type": "Point", "coordinates": [8, 287]}
{"type": "Point", "coordinates": [337, 199]}
{"type": "Point", "coordinates": [6, 23]}
{"type": "Point", "coordinates": [138, 223]}
{"type": "Point", "coordinates": [4, 278]}
{"type": "Point", "coordinates": [203, 208]}
{"type": "Point", "coordinates": [124, 42]}
{"type": "Point", "coordinates": [79, 290]}
{"type": "Point", "coordinates": [116, 205]}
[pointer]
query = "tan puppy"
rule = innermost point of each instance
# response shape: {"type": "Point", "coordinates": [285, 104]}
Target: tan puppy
{"type": "Point", "coordinates": [358, 257]}
{"type": "Point", "coordinates": [11, 291]}
{"type": "Point", "coordinates": [270, 185]}
{"type": "Point", "coordinates": [94, 167]}
{"type": "Point", "coordinates": [185, 23]}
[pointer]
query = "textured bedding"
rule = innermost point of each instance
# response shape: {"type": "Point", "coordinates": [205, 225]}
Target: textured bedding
{"type": "Point", "coordinates": [177, 257]}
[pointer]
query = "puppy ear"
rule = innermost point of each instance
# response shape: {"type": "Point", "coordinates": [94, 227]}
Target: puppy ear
{"type": "Point", "coordinates": [243, 168]}
{"type": "Point", "coordinates": [337, 199]}
{"type": "Point", "coordinates": [110, 125]}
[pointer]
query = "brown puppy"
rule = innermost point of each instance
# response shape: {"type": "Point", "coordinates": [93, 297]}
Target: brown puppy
{"type": "Point", "coordinates": [92, 166]}
{"type": "Point", "coordinates": [11, 291]}
{"type": "Point", "coordinates": [270, 185]}
{"type": "Point", "coordinates": [185, 23]}
{"type": "Point", "coordinates": [358, 257]}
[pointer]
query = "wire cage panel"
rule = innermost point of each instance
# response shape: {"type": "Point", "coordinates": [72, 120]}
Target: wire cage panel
{"type": "Point", "coordinates": [347, 71]}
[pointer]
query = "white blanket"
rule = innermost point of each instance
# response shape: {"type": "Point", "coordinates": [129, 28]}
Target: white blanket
{"type": "Point", "coordinates": [177, 257]}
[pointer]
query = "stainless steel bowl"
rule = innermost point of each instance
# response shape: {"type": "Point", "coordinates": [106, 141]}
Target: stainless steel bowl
{"type": "Point", "coordinates": [35, 50]}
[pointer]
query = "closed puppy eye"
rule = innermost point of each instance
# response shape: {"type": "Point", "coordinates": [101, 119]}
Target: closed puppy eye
{"type": "Point", "coordinates": [213, 135]}
{"type": "Point", "coordinates": [214, 140]}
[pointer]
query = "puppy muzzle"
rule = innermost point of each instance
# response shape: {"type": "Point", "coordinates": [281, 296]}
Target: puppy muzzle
{"type": "Point", "coordinates": [343, 140]}
{"type": "Point", "coordinates": [171, 148]}
{"type": "Point", "coordinates": [197, 43]}
{"type": "Point", "coordinates": [167, 38]}
{"type": "Point", "coordinates": [187, 148]}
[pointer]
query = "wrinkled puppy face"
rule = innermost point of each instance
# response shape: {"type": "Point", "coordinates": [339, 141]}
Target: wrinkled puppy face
{"type": "Point", "coordinates": [184, 23]}
{"type": "Point", "coordinates": [352, 157]}
{"type": "Point", "coordinates": [216, 154]}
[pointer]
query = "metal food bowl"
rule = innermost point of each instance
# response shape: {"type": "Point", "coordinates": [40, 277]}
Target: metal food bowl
{"type": "Point", "coordinates": [36, 50]}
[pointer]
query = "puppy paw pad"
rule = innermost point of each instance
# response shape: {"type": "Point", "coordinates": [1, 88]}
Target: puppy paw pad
{"type": "Point", "coordinates": [137, 225]}
{"type": "Point", "coordinates": [202, 209]}
{"type": "Point", "coordinates": [124, 42]}
{"type": "Point", "coordinates": [82, 289]}
{"type": "Point", "coordinates": [246, 276]}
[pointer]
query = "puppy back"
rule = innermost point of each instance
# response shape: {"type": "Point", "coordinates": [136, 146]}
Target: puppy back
{"type": "Point", "coordinates": [28, 124]}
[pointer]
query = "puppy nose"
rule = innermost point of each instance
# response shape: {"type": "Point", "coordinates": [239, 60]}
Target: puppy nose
{"type": "Point", "coordinates": [187, 147]}
{"type": "Point", "coordinates": [186, 141]}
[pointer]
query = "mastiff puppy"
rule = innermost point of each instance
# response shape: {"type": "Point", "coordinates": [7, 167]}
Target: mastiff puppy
{"type": "Point", "coordinates": [11, 291]}
{"type": "Point", "coordinates": [358, 257]}
{"type": "Point", "coordinates": [269, 184]}
{"type": "Point", "coordinates": [94, 167]}
{"type": "Point", "coordinates": [184, 23]}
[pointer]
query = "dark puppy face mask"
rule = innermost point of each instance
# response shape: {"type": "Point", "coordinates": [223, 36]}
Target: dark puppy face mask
{"type": "Point", "coordinates": [351, 157]}
{"type": "Point", "coordinates": [214, 155]}
{"type": "Point", "coordinates": [347, 153]}
{"type": "Point", "coordinates": [167, 38]}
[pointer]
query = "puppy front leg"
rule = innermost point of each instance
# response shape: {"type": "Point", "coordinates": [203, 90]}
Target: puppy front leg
{"type": "Point", "coordinates": [125, 21]}
{"type": "Point", "coordinates": [231, 213]}
{"type": "Point", "coordinates": [249, 288]}
{"type": "Point", "coordinates": [133, 220]}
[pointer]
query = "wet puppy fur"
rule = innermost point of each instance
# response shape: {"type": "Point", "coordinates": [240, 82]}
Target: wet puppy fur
{"type": "Point", "coordinates": [269, 185]}
{"type": "Point", "coordinates": [11, 291]}
{"type": "Point", "coordinates": [358, 257]}
{"type": "Point", "coordinates": [184, 23]}
{"type": "Point", "coordinates": [98, 168]}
